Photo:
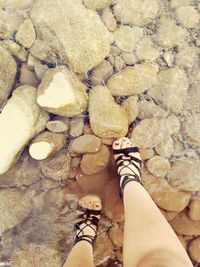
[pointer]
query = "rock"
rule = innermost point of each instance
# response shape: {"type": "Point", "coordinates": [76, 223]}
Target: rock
{"type": "Point", "coordinates": [133, 80]}
{"type": "Point", "coordinates": [187, 16]}
{"type": "Point", "coordinates": [103, 249]}
{"type": "Point", "coordinates": [126, 37]}
{"type": "Point", "coordinates": [36, 255]}
{"type": "Point", "coordinates": [169, 34]}
{"type": "Point", "coordinates": [119, 255]}
{"type": "Point", "coordinates": [108, 120]}
{"type": "Point", "coordinates": [107, 141]}
{"type": "Point", "coordinates": [173, 123]}
{"type": "Point", "coordinates": [95, 4]}
{"type": "Point", "coordinates": [187, 56]}
{"type": "Point", "coordinates": [136, 12]}
{"type": "Point", "coordinates": [169, 58]}
{"type": "Point", "coordinates": [131, 107]}
{"type": "Point", "coordinates": [118, 63]}
{"type": "Point", "coordinates": [93, 184]}
{"type": "Point", "coordinates": [185, 174]}
{"type": "Point", "coordinates": [15, 201]}
{"type": "Point", "coordinates": [80, 37]}
{"type": "Point", "coordinates": [57, 126]}
{"type": "Point", "coordinates": [61, 93]}
{"type": "Point", "coordinates": [171, 82]}
{"type": "Point", "coordinates": [179, 3]}
{"type": "Point", "coordinates": [16, 4]}
{"type": "Point", "coordinates": [169, 215]}
{"type": "Point", "coordinates": [16, 50]}
{"type": "Point", "coordinates": [158, 166]}
{"type": "Point", "coordinates": [8, 70]}
{"type": "Point", "coordinates": [149, 133]}
{"type": "Point", "coordinates": [76, 126]}
{"type": "Point", "coordinates": [9, 23]}
{"type": "Point", "coordinates": [166, 148]}
{"type": "Point", "coordinates": [27, 76]}
{"type": "Point", "coordinates": [146, 50]}
{"type": "Point", "coordinates": [56, 168]}
{"type": "Point", "coordinates": [191, 128]}
{"type": "Point", "coordinates": [146, 153]}
{"type": "Point", "coordinates": [194, 209]}
{"type": "Point", "coordinates": [25, 172]}
{"type": "Point", "coordinates": [26, 34]}
{"type": "Point", "coordinates": [116, 234]}
{"type": "Point", "coordinates": [194, 249]}
{"type": "Point", "coordinates": [148, 109]}
{"type": "Point", "coordinates": [129, 58]}
{"type": "Point", "coordinates": [165, 196]}
{"type": "Point", "coordinates": [184, 226]}
{"type": "Point", "coordinates": [109, 19]}
{"type": "Point", "coordinates": [96, 162]}
{"type": "Point", "coordinates": [101, 73]}
{"type": "Point", "coordinates": [21, 109]}
{"type": "Point", "coordinates": [86, 144]}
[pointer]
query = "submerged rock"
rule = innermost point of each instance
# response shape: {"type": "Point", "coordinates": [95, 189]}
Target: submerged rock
{"type": "Point", "coordinates": [80, 37]}
{"type": "Point", "coordinates": [107, 119]}
{"type": "Point", "coordinates": [86, 144]}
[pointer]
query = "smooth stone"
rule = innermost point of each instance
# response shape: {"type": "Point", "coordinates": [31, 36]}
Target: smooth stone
{"type": "Point", "coordinates": [194, 249]}
{"type": "Point", "coordinates": [28, 77]}
{"type": "Point", "coordinates": [146, 153]}
{"type": "Point", "coordinates": [101, 73]}
{"type": "Point", "coordinates": [194, 209]}
{"type": "Point", "coordinates": [131, 107]}
{"type": "Point", "coordinates": [26, 33]}
{"type": "Point", "coordinates": [187, 16]}
{"type": "Point", "coordinates": [109, 19]}
{"type": "Point", "coordinates": [158, 166]}
{"type": "Point", "coordinates": [148, 109]}
{"type": "Point", "coordinates": [86, 144]}
{"type": "Point", "coordinates": [147, 50]}
{"type": "Point", "coordinates": [191, 128]}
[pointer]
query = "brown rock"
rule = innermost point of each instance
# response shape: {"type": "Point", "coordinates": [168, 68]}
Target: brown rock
{"type": "Point", "coordinates": [158, 166]}
{"type": "Point", "coordinates": [165, 196]}
{"type": "Point", "coordinates": [86, 144]}
{"type": "Point", "coordinates": [116, 234]}
{"type": "Point", "coordinates": [194, 250]}
{"type": "Point", "coordinates": [194, 209]}
{"type": "Point", "coordinates": [94, 163]}
{"type": "Point", "coordinates": [56, 168]}
{"type": "Point", "coordinates": [28, 77]}
{"type": "Point", "coordinates": [169, 215]}
{"type": "Point", "coordinates": [184, 226]}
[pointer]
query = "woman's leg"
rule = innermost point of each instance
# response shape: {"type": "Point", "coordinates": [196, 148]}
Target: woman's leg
{"type": "Point", "coordinates": [81, 254]}
{"type": "Point", "coordinates": [149, 241]}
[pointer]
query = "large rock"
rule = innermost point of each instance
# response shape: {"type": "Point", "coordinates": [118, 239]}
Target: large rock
{"type": "Point", "coordinates": [20, 120]}
{"type": "Point", "coordinates": [70, 32]}
{"type": "Point", "coordinates": [133, 80]}
{"type": "Point", "coordinates": [14, 207]}
{"type": "Point", "coordinates": [149, 133]}
{"type": "Point", "coordinates": [191, 128]}
{"type": "Point", "coordinates": [62, 93]}
{"type": "Point", "coordinates": [184, 226]}
{"type": "Point", "coordinates": [107, 119]}
{"type": "Point", "coordinates": [169, 34]}
{"type": "Point", "coordinates": [185, 174]}
{"type": "Point", "coordinates": [36, 255]}
{"type": "Point", "coordinates": [135, 11]}
{"type": "Point", "coordinates": [165, 196]}
{"type": "Point", "coordinates": [96, 162]}
{"type": "Point", "coordinates": [194, 249]}
{"type": "Point", "coordinates": [8, 69]}
{"type": "Point", "coordinates": [171, 89]}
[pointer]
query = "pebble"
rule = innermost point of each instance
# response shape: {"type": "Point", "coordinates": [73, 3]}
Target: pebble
{"type": "Point", "coordinates": [86, 144]}
{"type": "Point", "coordinates": [129, 58]}
{"type": "Point", "coordinates": [101, 73]}
{"type": "Point", "coordinates": [194, 209]}
{"type": "Point", "coordinates": [109, 19]}
{"type": "Point", "coordinates": [158, 166]}
{"type": "Point", "coordinates": [57, 126]}
{"type": "Point", "coordinates": [133, 80]}
{"type": "Point", "coordinates": [27, 76]}
{"type": "Point", "coordinates": [194, 249]}
{"type": "Point", "coordinates": [188, 16]}
{"type": "Point", "coordinates": [26, 34]}
{"type": "Point", "coordinates": [131, 107]}
{"type": "Point", "coordinates": [96, 162]}
{"type": "Point", "coordinates": [147, 50]}
{"type": "Point", "coordinates": [76, 126]}
{"type": "Point", "coordinates": [191, 128]}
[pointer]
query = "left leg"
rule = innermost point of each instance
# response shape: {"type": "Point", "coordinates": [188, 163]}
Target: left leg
{"type": "Point", "coordinates": [81, 254]}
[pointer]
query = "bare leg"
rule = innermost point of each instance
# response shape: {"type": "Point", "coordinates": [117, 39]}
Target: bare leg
{"type": "Point", "coordinates": [81, 254]}
{"type": "Point", "coordinates": [149, 240]}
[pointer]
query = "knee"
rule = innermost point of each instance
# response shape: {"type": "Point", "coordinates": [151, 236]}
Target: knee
{"type": "Point", "coordinates": [161, 259]}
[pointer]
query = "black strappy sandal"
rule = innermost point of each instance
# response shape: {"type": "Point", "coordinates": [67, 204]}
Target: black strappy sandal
{"type": "Point", "coordinates": [87, 217]}
{"type": "Point", "coordinates": [124, 160]}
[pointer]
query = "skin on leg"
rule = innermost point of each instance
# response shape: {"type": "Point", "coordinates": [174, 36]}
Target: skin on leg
{"type": "Point", "coordinates": [149, 240]}
{"type": "Point", "coordinates": [81, 254]}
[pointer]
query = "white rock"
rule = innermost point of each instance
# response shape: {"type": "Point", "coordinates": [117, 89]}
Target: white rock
{"type": "Point", "coordinates": [26, 33]}
{"type": "Point", "coordinates": [21, 109]}
{"type": "Point", "coordinates": [188, 16]}
{"type": "Point", "coordinates": [136, 12]}
{"type": "Point", "coordinates": [133, 80]}
{"type": "Point", "coordinates": [171, 89]}
{"type": "Point", "coordinates": [127, 37]}
{"type": "Point", "coordinates": [61, 93]}
{"type": "Point", "coordinates": [76, 126]}
{"type": "Point", "coordinates": [169, 34]}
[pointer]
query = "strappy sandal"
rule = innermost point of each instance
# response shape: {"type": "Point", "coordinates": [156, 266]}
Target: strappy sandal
{"type": "Point", "coordinates": [125, 158]}
{"type": "Point", "coordinates": [88, 219]}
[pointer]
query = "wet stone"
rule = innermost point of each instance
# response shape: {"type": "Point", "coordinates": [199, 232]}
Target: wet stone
{"type": "Point", "coordinates": [86, 144]}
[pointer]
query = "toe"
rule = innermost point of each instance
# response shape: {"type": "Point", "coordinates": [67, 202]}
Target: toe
{"type": "Point", "coordinates": [125, 142]}
{"type": "Point", "coordinates": [90, 202]}
{"type": "Point", "coordinates": [117, 144]}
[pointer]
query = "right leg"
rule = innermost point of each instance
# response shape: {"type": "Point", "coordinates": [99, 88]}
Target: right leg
{"type": "Point", "coordinates": [149, 241]}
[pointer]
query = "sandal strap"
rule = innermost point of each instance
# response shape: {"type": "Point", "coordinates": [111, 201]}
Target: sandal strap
{"type": "Point", "coordinates": [126, 180]}
{"type": "Point", "coordinates": [126, 151]}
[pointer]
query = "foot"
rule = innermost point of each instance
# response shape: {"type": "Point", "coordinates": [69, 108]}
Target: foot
{"type": "Point", "coordinates": [88, 215]}
{"type": "Point", "coordinates": [128, 162]}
